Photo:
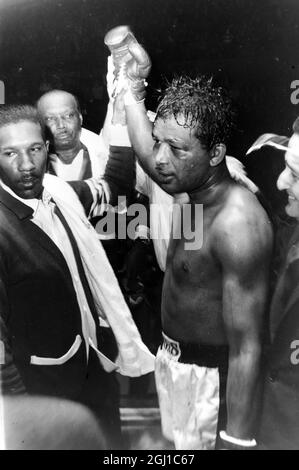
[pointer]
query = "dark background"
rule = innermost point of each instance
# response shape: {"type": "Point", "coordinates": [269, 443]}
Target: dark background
{"type": "Point", "coordinates": [250, 46]}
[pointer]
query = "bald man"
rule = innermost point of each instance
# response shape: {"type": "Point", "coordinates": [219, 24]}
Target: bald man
{"type": "Point", "coordinates": [48, 423]}
{"type": "Point", "coordinates": [75, 153]}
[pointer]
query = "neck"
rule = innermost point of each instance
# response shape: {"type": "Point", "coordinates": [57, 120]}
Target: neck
{"type": "Point", "coordinates": [68, 155]}
{"type": "Point", "coordinates": [212, 191]}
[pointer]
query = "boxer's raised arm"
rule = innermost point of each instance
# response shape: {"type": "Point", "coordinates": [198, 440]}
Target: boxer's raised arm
{"type": "Point", "coordinates": [140, 132]}
{"type": "Point", "coordinates": [139, 125]}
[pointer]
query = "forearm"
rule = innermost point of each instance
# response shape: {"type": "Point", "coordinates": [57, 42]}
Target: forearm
{"type": "Point", "coordinates": [120, 173]}
{"type": "Point", "coordinates": [105, 132]}
{"type": "Point", "coordinates": [119, 180]}
{"type": "Point", "coordinates": [140, 132]}
{"type": "Point", "coordinates": [243, 392]}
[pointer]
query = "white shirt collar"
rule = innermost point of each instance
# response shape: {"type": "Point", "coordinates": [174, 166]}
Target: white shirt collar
{"type": "Point", "coordinates": [33, 203]}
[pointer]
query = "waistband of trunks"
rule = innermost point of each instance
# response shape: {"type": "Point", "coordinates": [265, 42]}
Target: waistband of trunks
{"type": "Point", "coordinates": [200, 354]}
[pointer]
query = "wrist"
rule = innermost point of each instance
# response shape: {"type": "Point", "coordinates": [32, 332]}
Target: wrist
{"type": "Point", "coordinates": [130, 99]}
{"type": "Point", "coordinates": [235, 443]}
{"type": "Point", "coordinates": [119, 135]}
{"type": "Point", "coordinates": [142, 233]}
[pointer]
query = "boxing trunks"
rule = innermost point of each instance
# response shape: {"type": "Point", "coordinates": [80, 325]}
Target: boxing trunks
{"type": "Point", "coordinates": [191, 382]}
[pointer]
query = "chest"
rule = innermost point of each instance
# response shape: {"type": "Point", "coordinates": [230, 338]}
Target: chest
{"type": "Point", "coordinates": [190, 256]}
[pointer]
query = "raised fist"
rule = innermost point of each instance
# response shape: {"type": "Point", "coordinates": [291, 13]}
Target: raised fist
{"type": "Point", "coordinates": [138, 69]}
{"type": "Point", "coordinates": [131, 62]}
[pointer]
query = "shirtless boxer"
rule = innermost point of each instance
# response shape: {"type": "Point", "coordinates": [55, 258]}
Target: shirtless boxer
{"type": "Point", "coordinates": [214, 297]}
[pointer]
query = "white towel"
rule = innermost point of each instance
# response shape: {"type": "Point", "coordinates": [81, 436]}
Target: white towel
{"type": "Point", "coordinates": [134, 358]}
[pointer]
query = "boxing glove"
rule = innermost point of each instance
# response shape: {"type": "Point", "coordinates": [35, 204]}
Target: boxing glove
{"type": "Point", "coordinates": [138, 69]}
{"type": "Point", "coordinates": [131, 62]}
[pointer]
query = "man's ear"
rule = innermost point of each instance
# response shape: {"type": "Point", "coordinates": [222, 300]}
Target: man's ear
{"type": "Point", "coordinates": [217, 154]}
{"type": "Point", "coordinates": [47, 143]}
{"type": "Point", "coordinates": [81, 118]}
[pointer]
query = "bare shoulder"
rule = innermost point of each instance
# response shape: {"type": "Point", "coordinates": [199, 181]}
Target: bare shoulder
{"type": "Point", "coordinates": [242, 231]}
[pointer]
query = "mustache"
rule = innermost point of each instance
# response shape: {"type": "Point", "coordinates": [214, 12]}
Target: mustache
{"type": "Point", "coordinates": [29, 176]}
{"type": "Point", "coordinates": [163, 172]}
{"type": "Point", "coordinates": [64, 132]}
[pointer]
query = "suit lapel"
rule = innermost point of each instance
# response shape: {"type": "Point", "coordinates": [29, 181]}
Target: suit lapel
{"type": "Point", "coordinates": [293, 298]}
{"type": "Point", "coordinates": [39, 236]}
{"type": "Point", "coordinates": [14, 205]}
{"type": "Point", "coordinates": [287, 290]}
{"type": "Point", "coordinates": [31, 231]}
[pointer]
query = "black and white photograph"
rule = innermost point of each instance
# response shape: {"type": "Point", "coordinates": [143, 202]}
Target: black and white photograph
{"type": "Point", "coordinates": [149, 227]}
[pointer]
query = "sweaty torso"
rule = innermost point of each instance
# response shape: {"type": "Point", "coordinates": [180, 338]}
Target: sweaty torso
{"type": "Point", "coordinates": [193, 282]}
{"type": "Point", "coordinates": [192, 289]}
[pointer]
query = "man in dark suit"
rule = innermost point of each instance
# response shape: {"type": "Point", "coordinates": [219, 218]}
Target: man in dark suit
{"type": "Point", "coordinates": [280, 414]}
{"type": "Point", "coordinates": [51, 343]}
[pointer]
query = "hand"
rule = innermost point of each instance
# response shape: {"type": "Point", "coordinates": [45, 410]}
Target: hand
{"type": "Point", "coordinates": [132, 65]}
{"type": "Point", "coordinates": [116, 79]}
{"type": "Point", "coordinates": [138, 69]}
{"type": "Point", "coordinates": [139, 66]}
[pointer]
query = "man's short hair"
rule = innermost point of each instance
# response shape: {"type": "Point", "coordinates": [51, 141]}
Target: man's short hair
{"type": "Point", "coordinates": [204, 107]}
{"type": "Point", "coordinates": [15, 113]}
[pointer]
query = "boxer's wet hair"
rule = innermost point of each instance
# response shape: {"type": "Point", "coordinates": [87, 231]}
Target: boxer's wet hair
{"type": "Point", "coordinates": [15, 113]}
{"type": "Point", "coordinates": [197, 103]}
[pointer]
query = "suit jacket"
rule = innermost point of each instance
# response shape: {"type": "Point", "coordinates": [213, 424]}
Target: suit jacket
{"type": "Point", "coordinates": [42, 349]}
{"type": "Point", "coordinates": [40, 316]}
{"type": "Point", "coordinates": [280, 416]}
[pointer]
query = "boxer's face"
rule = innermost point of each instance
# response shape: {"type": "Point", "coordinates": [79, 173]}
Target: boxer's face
{"type": "Point", "coordinates": [23, 158]}
{"type": "Point", "coordinates": [62, 118]}
{"type": "Point", "coordinates": [288, 180]}
{"type": "Point", "coordinates": [182, 163]}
